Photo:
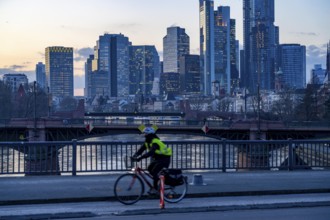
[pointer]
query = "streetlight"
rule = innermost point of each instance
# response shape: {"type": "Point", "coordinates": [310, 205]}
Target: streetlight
{"type": "Point", "coordinates": [35, 107]}
{"type": "Point", "coordinates": [259, 43]}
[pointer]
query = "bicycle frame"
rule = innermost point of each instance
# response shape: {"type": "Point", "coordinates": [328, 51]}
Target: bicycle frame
{"type": "Point", "coordinates": [143, 174]}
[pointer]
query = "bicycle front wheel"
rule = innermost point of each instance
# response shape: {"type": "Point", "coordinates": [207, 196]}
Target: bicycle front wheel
{"type": "Point", "coordinates": [128, 188]}
{"type": "Point", "coordinates": [173, 194]}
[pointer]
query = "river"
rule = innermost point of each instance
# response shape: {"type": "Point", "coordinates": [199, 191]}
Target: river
{"type": "Point", "coordinates": [163, 137]}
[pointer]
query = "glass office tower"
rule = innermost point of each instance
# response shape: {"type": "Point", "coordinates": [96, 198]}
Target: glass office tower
{"type": "Point", "coordinates": [41, 75]}
{"type": "Point", "coordinates": [206, 28]}
{"type": "Point", "coordinates": [222, 50]}
{"type": "Point", "coordinates": [175, 45]}
{"type": "Point", "coordinates": [190, 76]}
{"type": "Point", "coordinates": [144, 66]}
{"type": "Point", "coordinates": [111, 57]}
{"type": "Point", "coordinates": [59, 71]}
{"type": "Point", "coordinates": [259, 45]}
{"type": "Point", "coordinates": [292, 61]}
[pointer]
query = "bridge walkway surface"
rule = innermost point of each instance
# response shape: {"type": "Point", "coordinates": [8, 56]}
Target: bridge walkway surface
{"type": "Point", "coordinates": [235, 186]}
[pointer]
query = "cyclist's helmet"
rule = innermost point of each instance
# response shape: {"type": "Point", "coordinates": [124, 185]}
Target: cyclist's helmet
{"type": "Point", "coordinates": [149, 130]}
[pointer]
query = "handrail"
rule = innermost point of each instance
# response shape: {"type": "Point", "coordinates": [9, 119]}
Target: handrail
{"type": "Point", "coordinates": [74, 157]}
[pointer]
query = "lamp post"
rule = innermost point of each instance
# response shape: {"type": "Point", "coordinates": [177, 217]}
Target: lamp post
{"type": "Point", "coordinates": [35, 107]}
{"type": "Point", "coordinates": [259, 36]}
{"type": "Point", "coordinates": [48, 101]}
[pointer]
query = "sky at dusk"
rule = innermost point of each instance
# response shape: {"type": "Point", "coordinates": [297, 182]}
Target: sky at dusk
{"type": "Point", "coordinates": [27, 27]}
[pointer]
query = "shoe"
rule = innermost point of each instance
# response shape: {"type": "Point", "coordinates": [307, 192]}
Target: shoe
{"type": "Point", "coordinates": [153, 192]}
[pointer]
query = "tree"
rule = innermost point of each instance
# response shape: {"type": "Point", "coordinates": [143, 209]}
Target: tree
{"type": "Point", "coordinates": [68, 104]}
{"type": "Point", "coordinates": [197, 102]}
{"type": "Point", "coordinates": [30, 102]}
{"type": "Point", "coordinates": [283, 108]}
{"type": "Point", "coordinates": [307, 109]}
{"type": "Point", "coordinates": [5, 101]}
{"type": "Point", "coordinates": [327, 110]}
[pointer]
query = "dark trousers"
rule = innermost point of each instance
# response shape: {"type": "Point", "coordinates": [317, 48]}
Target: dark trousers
{"type": "Point", "coordinates": [155, 167]}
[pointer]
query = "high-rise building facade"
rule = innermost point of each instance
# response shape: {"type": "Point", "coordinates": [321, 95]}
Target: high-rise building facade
{"type": "Point", "coordinates": [259, 45]}
{"type": "Point", "coordinates": [175, 45]}
{"type": "Point", "coordinates": [88, 75]}
{"type": "Point", "coordinates": [59, 71]}
{"type": "Point", "coordinates": [190, 74]}
{"type": "Point", "coordinates": [15, 80]}
{"type": "Point", "coordinates": [144, 66]}
{"type": "Point", "coordinates": [111, 57]}
{"type": "Point", "coordinates": [218, 52]}
{"type": "Point", "coordinates": [318, 75]}
{"type": "Point", "coordinates": [328, 64]}
{"type": "Point", "coordinates": [41, 75]}
{"type": "Point", "coordinates": [222, 48]}
{"type": "Point", "coordinates": [206, 28]}
{"type": "Point", "coordinates": [292, 61]}
{"type": "Point", "coordinates": [169, 84]}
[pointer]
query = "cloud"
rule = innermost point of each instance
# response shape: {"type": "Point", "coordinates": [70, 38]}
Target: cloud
{"type": "Point", "coordinates": [16, 67]}
{"type": "Point", "coordinates": [315, 55]}
{"type": "Point", "coordinates": [127, 25]}
{"type": "Point", "coordinates": [306, 33]}
{"type": "Point", "coordinates": [83, 53]}
{"type": "Point", "coordinates": [316, 51]}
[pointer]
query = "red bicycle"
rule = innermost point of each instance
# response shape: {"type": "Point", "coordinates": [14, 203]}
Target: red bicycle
{"type": "Point", "coordinates": [130, 187]}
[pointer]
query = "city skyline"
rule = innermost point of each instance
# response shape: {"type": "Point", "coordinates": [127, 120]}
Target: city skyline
{"type": "Point", "coordinates": [28, 27]}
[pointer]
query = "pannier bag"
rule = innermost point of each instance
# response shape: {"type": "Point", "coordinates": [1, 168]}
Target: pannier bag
{"type": "Point", "coordinates": [174, 177]}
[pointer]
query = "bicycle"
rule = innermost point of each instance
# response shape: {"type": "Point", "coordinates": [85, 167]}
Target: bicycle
{"type": "Point", "coordinates": [130, 187]}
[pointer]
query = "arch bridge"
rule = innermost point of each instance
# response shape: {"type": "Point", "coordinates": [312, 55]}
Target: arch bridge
{"type": "Point", "coordinates": [50, 129]}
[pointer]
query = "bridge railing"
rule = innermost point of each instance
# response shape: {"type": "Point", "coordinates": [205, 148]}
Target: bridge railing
{"type": "Point", "coordinates": [55, 158]}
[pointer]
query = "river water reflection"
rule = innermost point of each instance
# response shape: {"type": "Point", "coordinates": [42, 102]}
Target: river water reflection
{"type": "Point", "coordinates": [163, 137]}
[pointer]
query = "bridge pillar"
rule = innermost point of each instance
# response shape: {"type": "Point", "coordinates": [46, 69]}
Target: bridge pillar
{"type": "Point", "coordinates": [37, 134]}
{"type": "Point", "coordinates": [40, 159]}
{"type": "Point", "coordinates": [257, 135]}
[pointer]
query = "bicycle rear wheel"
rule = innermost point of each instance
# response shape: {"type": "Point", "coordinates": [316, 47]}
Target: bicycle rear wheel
{"type": "Point", "coordinates": [173, 194]}
{"type": "Point", "coordinates": [128, 188]}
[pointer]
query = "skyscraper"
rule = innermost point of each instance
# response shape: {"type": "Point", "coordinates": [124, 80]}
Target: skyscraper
{"type": "Point", "coordinates": [222, 48]}
{"type": "Point", "coordinates": [144, 66]}
{"type": "Point", "coordinates": [41, 75]}
{"type": "Point", "coordinates": [318, 75]}
{"type": "Point", "coordinates": [88, 75]}
{"type": "Point", "coordinates": [169, 84]}
{"type": "Point", "coordinates": [111, 57]}
{"type": "Point", "coordinates": [206, 28]}
{"type": "Point", "coordinates": [190, 76]}
{"type": "Point", "coordinates": [259, 45]}
{"type": "Point", "coordinates": [175, 44]}
{"type": "Point", "coordinates": [59, 71]}
{"type": "Point", "coordinates": [328, 63]}
{"type": "Point", "coordinates": [217, 49]}
{"type": "Point", "coordinates": [292, 61]}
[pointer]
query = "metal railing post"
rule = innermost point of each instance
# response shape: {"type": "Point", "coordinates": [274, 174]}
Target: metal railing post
{"type": "Point", "coordinates": [290, 153]}
{"type": "Point", "coordinates": [74, 157]}
{"type": "Point", "coordinates": [224, 155]}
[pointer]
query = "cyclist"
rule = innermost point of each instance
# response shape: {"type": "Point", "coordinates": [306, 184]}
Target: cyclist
{"type": "Point", "coordinates": [160, 155]}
